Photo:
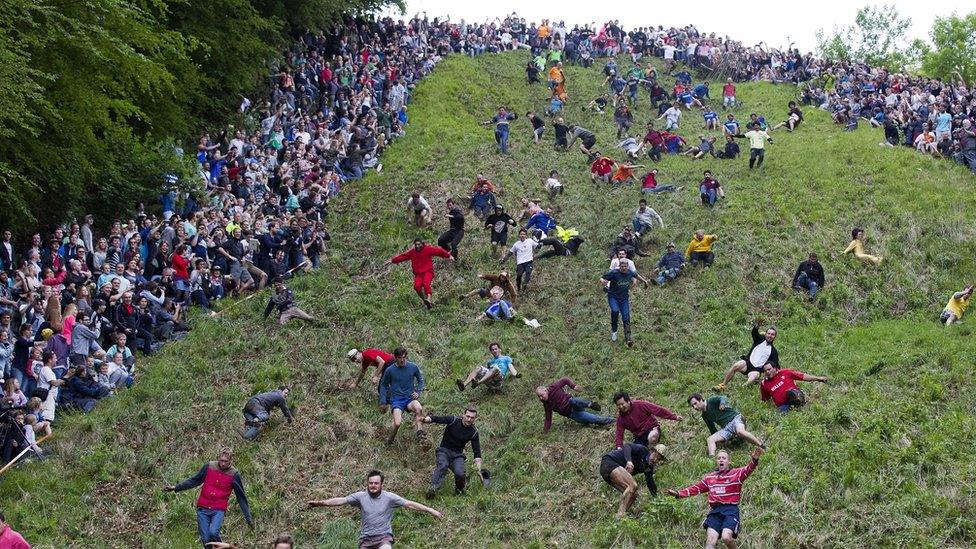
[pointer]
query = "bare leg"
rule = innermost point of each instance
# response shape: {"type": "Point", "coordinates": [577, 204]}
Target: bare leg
{"type": "Point", "coordinates": [751, 378]}
{"type": "Point", "coordinates": [711, 539]}
{"type": "Point", "coordinates": [728, 540]}
{"type": "Point", "coordinates": [747, 436]}
{"type": "Point", "coordinates": [492, 373]}
{"type": "Point", "coordinates": [712, 441]}
{"type": "Point", "coordinates": [627, 486]}
{"type": "Point", "coordinates": [467, 381]}
{"type": "Point", "coordinates": [418, 414]}
{"type": "Point", "coordinates": [738, 366]}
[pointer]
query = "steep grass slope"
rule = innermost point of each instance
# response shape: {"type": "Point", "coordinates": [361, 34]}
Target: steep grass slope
{"type": "Point", "coordinates": [881, 456]}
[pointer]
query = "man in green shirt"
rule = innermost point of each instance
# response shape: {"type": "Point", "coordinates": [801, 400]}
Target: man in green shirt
{"type": "Point", "coordinates": [724, 422]}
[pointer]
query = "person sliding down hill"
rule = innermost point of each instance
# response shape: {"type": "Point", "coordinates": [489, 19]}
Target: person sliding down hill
{"type": "Point", "coordinates": [367, 358]}
{"type": "Point", "coordinates": [794, 117]}
{"type": "Point", "coordinates": [451, 238]}
{"type": "Point", "coordinates": [724, 489]}
{"type": "Point", "coordinates": [699, 250]}
{"type": "Point", "coordinates": [857, 246]}
{"type": "Point", "coordinates": [586, 137]}
{"type": "Point", "coordinates": [957, 305]}
{"type": "Point", "coordinates": [400, 389]}
{"type": "Point", "coordinates": [284, 300]}
{"type": "Point", "coordinates": [219, 478]}
{"type": "Point", "coordinates": [724, 422]}
{"type": "Point", "coordinates": [421, 258]}
{"type": "Point", "coordinates": [259, 407]}
{"type": "Point", "coordinates": [619, 466]}
{"type": "Point", "coordinates": [751, 363]}
{"type": "Point", "coordinates": [601, 168]}
{"type": "Point", "coordinates": [618, 284]}
{"type": "Point", "coordinates": [458, 432]}
{"type": "Point", "coordinates": [555, 399]}
{"type": "Point", "coordinates": [498, 308]}
{"type": "Point", "coordinates": [779, 386]}
{"type": "Point", "coordinates": [500, 279]}
{"type": "Point", "coordinates": [640, 418]}
{"type": "Point", "coordinates": [565, 242]}
{"type": "Point", "coordinates": [492, 374]}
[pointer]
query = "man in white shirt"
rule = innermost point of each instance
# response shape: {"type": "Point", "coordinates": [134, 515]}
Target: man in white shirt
{"type": "Point", "coordinates": [523, 249]}
{"type": "Point", "coordinates": [421, 209]}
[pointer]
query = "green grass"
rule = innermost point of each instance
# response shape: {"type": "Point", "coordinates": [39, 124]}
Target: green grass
{"type": "Point", "coordinates": [880, 457]}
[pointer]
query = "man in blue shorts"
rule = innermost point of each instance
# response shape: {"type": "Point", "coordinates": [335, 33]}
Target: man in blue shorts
{"type": "Point", "coordinates": [498, 368]}
{"type": "Point", "coordinates": [400, 389]}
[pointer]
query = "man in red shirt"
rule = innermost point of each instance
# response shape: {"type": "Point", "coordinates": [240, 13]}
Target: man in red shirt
{"type": "Point", "coordinates": [601, 168]}
{"type": "Point", "coordinates": [724, 489]}
{"type": "Point", "coordinates": [778, 384]}
{"type": "Point", "coordinates": [370, 357]}
{"type": "Point", "coordinates": [421, 258]}
{"type": "Point", "coordinates": [728, 94]}
{"type": "Point", "coordinates": [640, 418]}
{"type": "Point", "coordinates": [655, 139]}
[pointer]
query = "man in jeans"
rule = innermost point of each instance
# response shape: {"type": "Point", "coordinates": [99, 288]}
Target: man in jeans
{"type": "Point", "coordinates": [459, 431]}
{"type": "Point", "coordinates": [617, 284]}
{"type": "Point", "coordinates": [259, 407]}
{"type": "Point", "coordinates": [809, 276]}
{"type": "Point", "coordinates": [218, 478]}
{"type": "Point", "coordinates": [555, 399]}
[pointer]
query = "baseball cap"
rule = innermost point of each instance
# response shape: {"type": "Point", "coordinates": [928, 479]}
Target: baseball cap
{"type": "Point", "coordinates": [352, 353]}
{"type": "Point", "coordinates": [662, 449]}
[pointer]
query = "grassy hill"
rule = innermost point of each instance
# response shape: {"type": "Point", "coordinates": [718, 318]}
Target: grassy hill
{"type": "Point", "coordinates": [880, 457]}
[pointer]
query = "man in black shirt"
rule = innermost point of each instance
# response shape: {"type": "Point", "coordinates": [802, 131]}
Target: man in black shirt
{"type": "Point", "coordinates": [809, 276]}
{"type": "Point", "coordinates": [258, 410]}
{"type": "Point", "coordinates": [450, 453]}
{"type": "Point", "coordinates": [498, 223]}
{"type": "Point", "coordinates": [620, 466]}
{"type": "Point", "coordinates": [538, 126]}
{"type": "Point", "coordinates": [450, 238]}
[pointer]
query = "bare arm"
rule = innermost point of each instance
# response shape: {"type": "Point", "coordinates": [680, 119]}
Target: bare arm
{"type": "Point", "coordinates": [331, 502]}
{"type": "Point", "coordinates": [414, 506]}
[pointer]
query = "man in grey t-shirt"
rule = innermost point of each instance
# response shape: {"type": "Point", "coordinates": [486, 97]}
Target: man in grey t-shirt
{"type": "Point", "coordinates": [376, 506]}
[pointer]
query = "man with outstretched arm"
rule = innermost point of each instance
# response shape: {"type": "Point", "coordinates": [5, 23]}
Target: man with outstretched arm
{"type": "Point", "coordinates": [421, 257]}
{"type": "Point", "coordinates": [618, 467]}
{"type": "Point", "coordinates": [555, 399]}
{"type": "Point", "coordinates": [493, 373]}
{"type": "Point", "coordinates": [219, 478]}
{"type": "Point", "coordinates": [724, 422]}
{"type": "Point", "coordinates": [778, 385]}
{"type": "Point", "coordinates": [259, 407]}
{"type": "Point", "coordinates": [724, 489]}
{"type": "Point", "coordinates": [640, 418]}
{"type": "Point", "coordinates": [284, 300]}
{"type": "Point", "coordinates": [376, 511]}
{"type": "Point", "coordinates": [751, 363]}
{"type": "Point", "coordinates": [400, 389]}
{"type": "Point", "coordinates": [459, 431]}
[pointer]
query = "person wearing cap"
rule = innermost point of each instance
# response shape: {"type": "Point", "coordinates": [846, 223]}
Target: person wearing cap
{"type": "Point", "coordinates": [618, 468]}
{"type": "Point", "coordinates": [259, 407]}
{"type": "Point", "coordinates": [670, 265]}
{"type": "Point", "coordinates": [370, 357]}
{"type": "Point", "coordinates": [284, 300]}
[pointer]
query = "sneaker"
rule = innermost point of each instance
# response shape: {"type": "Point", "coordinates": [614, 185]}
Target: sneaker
{"type": "Point", "coordinates": [595, 406]}
{"type": "Point", "coordinates": [630, 342]}
{"type": "Point", "coordinates": [460, 385]}
{"type": "Point", "coordinates": [379, 168]}
{"type": "Point", "coordinates": [428, 304]}
{"type": "Point", "coordinates": [613, 336]}
{"type": "Point", "coordinates": [719, 388]}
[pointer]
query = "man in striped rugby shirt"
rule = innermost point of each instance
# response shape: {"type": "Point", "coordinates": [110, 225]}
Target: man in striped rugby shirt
{"type": "Point", "coordinates": [724, 488]}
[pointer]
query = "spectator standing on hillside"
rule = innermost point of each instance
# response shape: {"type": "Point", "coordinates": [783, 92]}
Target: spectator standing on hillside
{"type": "Point", "coordinates": [219, 478]}
{"type": "Point", "coordinates": [284, 300]}
{"type": "Point", "coordinates": [400, 389]}
{"type": "Point", "coordinates": [809, 276]}
{"type": "Point", "coordinates": [724, 489]}
{"type": "Point", "coordinates": [724, 422]}
{"type": "Point", "coordinates": [957, 305]}
{"type": "Point", "coordinates": [451, 238]}
{"type": "Point", "coordinates": [728, 94]}
{"type": "Point", "coordinates": [640, 417]}
{"type": "Point", "coordinates": [617, 284]}
{"type": "Point", "coordinates": [376, 511]}
{"type": "Point", "coordinates": [751, 363]}
{"type": "Point", "coordinates": [618, 468]}
{"type": "Point", "coordinates": [857, 246]}
{"type": "Point", "coordinates": [258, 410]}
{"type": "Point", "coordinates": [779, 386]}
{"type": "Point", "coordinates": [493, 373]}
{"type": "Point", "coordinates": [555, 399]}
{"type": "Point", "coordinates": [421, 257]}
{"type": "Point", "coordinates": [458, 432]}
{"type": "Point", "coordinates": [368, 358]}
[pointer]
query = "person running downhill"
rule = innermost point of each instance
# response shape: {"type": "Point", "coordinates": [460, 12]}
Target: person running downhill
{"type": "Point", "coordinates": [459, 431]}
{"type": "Point", "coordinates": [757, 144]}
{"type": "Point", "coordinates": [219, 478]}
{"type": "Point", "coordinates": [640, 418]}
{"type": "Point", "coordinates": [957, 305]}
{"type": "Point", "coordinates": [501, 122]}
{"type": "Point", "coordinates": [421, 258]}
{"type": "Point", "coordinates": [492, 374]}
{"type": "Point", "coordinates": [617, 284]}
{"type": "Point", "coordinates": [724, 489]}
{"type": "Point", "coordinates": [258, 410]}
{"type": "Point", "coordinates": [618, 467]}
{"type": "Point", "coordinates": [555, 399]}
{"type": "Point", "coordinates": [497, 224]}
{"type": "Point", "coordinates": [724, 422]}
{"type": "Point", "coordinates": [376, 511]}
{"type": "Point", "coordinates": [451, 238]}
{"type": "Point", "coordinates": [751, 363]}
{"type": "Point", "coordinates": [366, 358]}
{"type": "Point", "coordinates": [400, 389]}
{"type": "Point", "coordinates": [523, 250]}
{"type": "Point", "coordinates": [779, 386]}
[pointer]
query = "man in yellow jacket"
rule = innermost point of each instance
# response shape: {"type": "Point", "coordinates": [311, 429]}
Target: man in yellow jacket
{"type": "Point", "coordinates": [700, 248]}
{"type": "Point", "coordinates": [957, 305]}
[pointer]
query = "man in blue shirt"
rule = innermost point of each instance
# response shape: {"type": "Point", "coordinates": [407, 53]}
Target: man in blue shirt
{"type": "Point", "coordinates": [501, 121]}
{"type": "Point", "coordinates": [617, 284]}
{"type": "Point", "coordinates": [400, 389]}
{"type": "Point", "coordinates": [493, 373]}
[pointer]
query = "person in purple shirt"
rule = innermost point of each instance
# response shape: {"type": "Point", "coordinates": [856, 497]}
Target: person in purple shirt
{"type": "Point", "coordinates": [555, 399]}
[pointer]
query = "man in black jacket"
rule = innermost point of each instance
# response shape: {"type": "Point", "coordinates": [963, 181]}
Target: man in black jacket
{"type": "Point", "coordinates": [259, 407]}
{"type": "Point", "coordinates": [451, 238]}
{"type": "Point", "coordinates": [620, 466]}
{"type": "Point", "coordinates": [751, 364]}
{"type": "Point", "coordinates": [450, 454]}
{"type": "Point", "coordinates": [284, 300]}
{"type": "Point", "coordinates": [809, 276]}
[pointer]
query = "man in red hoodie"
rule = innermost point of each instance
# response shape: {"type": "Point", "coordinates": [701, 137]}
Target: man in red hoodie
{"type": "Point", "coordinates": [640, 418]}
{"type": "Point", "coordinates": [421, 258]}
{"type": "Point", "coordinates": [218, 478]}
{"type": "Point", "coordinates": [9, 539]}
{"type": "Point", "coordinates": [724, 489]}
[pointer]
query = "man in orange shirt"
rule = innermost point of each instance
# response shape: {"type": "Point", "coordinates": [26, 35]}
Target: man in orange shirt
{"type": "Point", "coordinates": [625, 174]}
{"type": "Point", "coordinates": [556, 76]}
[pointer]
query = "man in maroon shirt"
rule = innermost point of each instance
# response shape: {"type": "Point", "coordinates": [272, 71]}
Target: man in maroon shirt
{"type": "Point", "coordinates": [655, 139]}
{"type": "Point", "coordinates": [640, 418]}
{"type": "Point", "coordinates": [778, 384]}
{"type": "Point", "coordinates": [555, 399]}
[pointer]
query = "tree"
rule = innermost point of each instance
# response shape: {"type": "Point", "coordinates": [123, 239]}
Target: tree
{"type": "Point", "coordinates": [877, 37]}
{"type": "Point", "coordinates": [954, 48]}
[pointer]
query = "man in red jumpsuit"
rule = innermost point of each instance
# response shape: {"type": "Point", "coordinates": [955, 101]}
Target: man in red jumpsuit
{"type": "Point", "coordinates": [421, 258]}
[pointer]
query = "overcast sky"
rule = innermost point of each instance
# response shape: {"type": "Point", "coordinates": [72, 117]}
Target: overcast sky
{"type": "Point", "coordinates": [776, 22]}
